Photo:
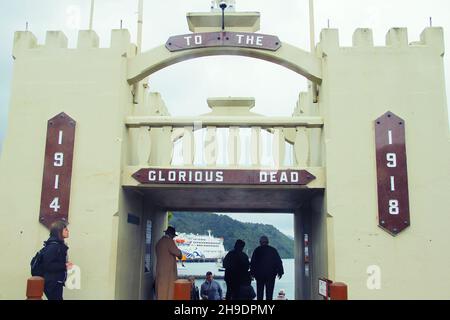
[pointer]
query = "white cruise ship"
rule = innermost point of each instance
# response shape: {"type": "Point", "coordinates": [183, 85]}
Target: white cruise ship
{"type": "Point", "coordinates": [198, 247]}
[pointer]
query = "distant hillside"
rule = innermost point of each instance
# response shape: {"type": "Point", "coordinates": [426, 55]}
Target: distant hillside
{"type": "Point", "coordinates": [231, 230]}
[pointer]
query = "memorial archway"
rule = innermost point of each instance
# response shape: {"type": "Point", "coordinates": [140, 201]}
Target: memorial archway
{"type": "Point", "coordinates": [239, 190]}
{"type": "Point", "coordinates": [283, 54]}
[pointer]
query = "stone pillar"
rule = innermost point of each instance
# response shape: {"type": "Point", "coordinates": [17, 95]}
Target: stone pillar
{"type": "Point", "coordinates": [159, 224]}
{"type": "Point", "coordinates": [302, 274]}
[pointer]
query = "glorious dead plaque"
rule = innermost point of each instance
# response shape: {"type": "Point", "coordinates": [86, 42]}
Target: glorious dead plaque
{"type": "Point", "coordinates": [223, 177]}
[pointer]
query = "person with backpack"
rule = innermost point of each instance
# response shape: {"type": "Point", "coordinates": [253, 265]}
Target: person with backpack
{"type": "Point", "coordinates": [54, 264]}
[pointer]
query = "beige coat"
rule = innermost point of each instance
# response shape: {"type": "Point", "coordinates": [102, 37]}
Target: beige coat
{"type": "Point", "coordinates": [166, 267]}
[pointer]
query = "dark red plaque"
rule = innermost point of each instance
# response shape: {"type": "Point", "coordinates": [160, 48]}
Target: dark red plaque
{"type": "Point", "coordinates": [55, 194]}
{"type": "Point", "coordinates": [392, 173]}
{"type": "Point", "coordinates": [223, 39]}
{"type": "Point", "coordinates": [223, 177]}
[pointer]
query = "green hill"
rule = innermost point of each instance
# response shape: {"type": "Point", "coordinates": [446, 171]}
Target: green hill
{"type": "Point", "coordinates": [231, 230]}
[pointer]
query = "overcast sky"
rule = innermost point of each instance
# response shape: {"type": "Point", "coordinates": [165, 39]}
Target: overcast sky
{"type": "Point", "coordinates": [186, 86]}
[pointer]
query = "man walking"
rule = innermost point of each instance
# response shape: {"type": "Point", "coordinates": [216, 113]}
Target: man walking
{"type": "Point", "coordinates": [211, 289]}
{"type": "Point", "coordinates": [236, 269]}
{"type": "Point", "coordinates": [166, 265]}
{"type": "Point", "coordinates": [265, 265]}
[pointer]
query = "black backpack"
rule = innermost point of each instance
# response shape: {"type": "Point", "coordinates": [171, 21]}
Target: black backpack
{"type": "Point", "coordinates": [36, 264]}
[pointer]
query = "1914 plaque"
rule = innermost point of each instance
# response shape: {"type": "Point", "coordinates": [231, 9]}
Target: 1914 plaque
{"type": "Point", "coordinates": [55, 194]}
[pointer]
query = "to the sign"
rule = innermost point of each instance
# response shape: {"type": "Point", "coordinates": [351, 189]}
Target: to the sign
{"type": "Point", "coordinates": [392, 173]}
{"type": "Point", "coordinates": [223, 39]}
{"type": "Point", "coordinates": [55, 194]}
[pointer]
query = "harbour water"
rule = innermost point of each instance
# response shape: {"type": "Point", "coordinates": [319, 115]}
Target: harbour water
{"type": "Point", "coordinates": [286, 282]}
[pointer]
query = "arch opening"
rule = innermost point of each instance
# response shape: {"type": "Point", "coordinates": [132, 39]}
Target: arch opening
{"type": "Point", "coordinates": [288, 56]}
{"type": "Point", "coordinates": [185, 87]}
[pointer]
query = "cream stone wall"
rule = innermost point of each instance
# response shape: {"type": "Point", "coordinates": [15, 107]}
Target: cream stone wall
{"type": "Point", "coordinates": [89, 84]}
{"type": "Point", "coordinates": [361, 83]}
{"type": "Point", "coordinates": [131, 281]}
{"type": "Point", "coordinates": [130, 250]}
{"type": "Point", "coordinates": [318, 244]}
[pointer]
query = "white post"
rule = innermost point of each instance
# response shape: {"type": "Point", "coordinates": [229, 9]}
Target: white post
{"type": "Point", "coordinates": [140, 23]}
{"type": "Point", "coordinates": [137, 86]}
{"type": "Point", "coordinates": [312, 29]}
{"type": "Point", "coordinates": [312, 36]}
{"type": "Point", "coordinates": [234, 146]}
{"type": "Point", "coordinates": [188, 146]}
{"type": "Point", "coordinates": [91, 19]}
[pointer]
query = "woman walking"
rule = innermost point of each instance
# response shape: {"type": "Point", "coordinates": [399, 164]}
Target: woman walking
{"type": "Point", "coordinates": [55, 264]}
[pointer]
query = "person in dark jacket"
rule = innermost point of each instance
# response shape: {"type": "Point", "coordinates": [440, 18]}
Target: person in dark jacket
{"type": "Point", "coordinates": [246, 291]}
{"type": "Point", "coordinates": [195, 293]}
{"type": "Point", "coordinates": [236, 264]}
{"type": "Point", "coordinates": [55, 264]}
{"type": "Point", "coordinates": [265, 265]}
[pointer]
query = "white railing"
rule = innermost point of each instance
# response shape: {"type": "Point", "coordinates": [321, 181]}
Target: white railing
{"type": "Point", "coordinates": [153, 139]}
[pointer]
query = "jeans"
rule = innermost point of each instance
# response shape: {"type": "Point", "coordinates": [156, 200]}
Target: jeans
{"type": "Point", "coordinates": [53, 290]}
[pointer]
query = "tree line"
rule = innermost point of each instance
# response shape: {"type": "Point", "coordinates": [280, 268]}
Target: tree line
{"type": "Point", "coordinates": [231, 230]}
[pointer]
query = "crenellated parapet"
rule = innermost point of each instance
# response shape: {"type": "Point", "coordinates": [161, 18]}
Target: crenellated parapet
{"type": "Point", "coordinates": [26, 42]}
{"type": "Point", "coordinates": [396, 38]}
{"type": "Point", "coordinates": [23, 41]}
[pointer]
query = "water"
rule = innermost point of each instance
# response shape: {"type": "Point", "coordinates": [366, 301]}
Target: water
{"type": "Point", "coordinates": [286, 282]}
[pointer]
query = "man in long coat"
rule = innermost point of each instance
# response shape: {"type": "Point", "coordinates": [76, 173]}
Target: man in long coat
{"type": "Point", "coordinates": [166, 265]}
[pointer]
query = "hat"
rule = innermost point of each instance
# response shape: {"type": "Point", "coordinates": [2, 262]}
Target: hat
{"type": "Point", "coordinates": [170, 230]}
